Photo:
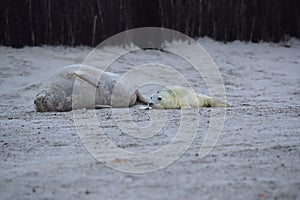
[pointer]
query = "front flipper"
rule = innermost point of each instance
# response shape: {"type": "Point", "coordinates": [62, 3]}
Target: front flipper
{"type": "Point", "coordinates": [185, 106]}
{"type": "Point", "coordinates": [102, 106]}
{"type": "Point", "coordinates": [88, 76]}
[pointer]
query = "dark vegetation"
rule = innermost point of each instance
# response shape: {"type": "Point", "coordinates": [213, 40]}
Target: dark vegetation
{"type": "Point", "coordinates": [88, 22]}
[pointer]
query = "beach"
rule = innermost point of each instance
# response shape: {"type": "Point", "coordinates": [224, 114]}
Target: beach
{"type": "Point", "coordinates": [257, 154]}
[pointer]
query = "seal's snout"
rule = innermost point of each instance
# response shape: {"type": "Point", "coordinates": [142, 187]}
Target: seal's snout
{"type": "Point", "coordinates": [150, 104]}
{"type": "Point", "coordinates": [39, 102]}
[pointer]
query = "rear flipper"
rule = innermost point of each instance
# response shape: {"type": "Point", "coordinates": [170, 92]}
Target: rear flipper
{"type": "Point", "coordinates": [206, 101]}
{"type": "Point", "coordinates": [141, 98]}
{"type": "Point", "coordinates": [218, 103]}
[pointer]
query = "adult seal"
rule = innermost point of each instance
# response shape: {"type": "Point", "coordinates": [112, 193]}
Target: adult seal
{"type": "Point", "coordinates": [81, 86]}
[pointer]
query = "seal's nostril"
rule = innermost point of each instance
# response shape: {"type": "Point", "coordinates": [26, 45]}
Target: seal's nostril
{"type": "Point", "coordinates": [150, 104]}
{"type": "Point", "coordinates": [34, 101]}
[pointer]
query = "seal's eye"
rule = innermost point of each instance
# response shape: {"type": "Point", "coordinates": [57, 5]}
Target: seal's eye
{"type": "Point", "coordinates": [150, 97]}
{"type": "Point", "coordinates": [157, 92]}
{"type": "Point", "coordinates": [159, 98]}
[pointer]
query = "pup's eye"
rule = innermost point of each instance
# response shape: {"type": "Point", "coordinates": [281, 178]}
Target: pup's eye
{"type": "Point", "coordinates": [157, 92]}
{"type": "Point", "coordinates": [150, 97]}
{"type": "Point", "coordinates": [159, 98]}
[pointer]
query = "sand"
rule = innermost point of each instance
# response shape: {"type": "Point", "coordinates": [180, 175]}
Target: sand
{"type": "Point", "coordinates": [257, 155]}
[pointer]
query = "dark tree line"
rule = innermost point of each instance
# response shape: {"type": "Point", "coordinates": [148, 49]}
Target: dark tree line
{"type": "Point", "coordinates": [88, 22]}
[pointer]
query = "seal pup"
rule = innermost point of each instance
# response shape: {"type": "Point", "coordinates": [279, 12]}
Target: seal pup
{"type": "Point", "coordinates": [175, 97]}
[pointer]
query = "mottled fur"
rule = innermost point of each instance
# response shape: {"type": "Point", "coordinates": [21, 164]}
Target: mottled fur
{"type": "Point", "coordinates": [79, 86]}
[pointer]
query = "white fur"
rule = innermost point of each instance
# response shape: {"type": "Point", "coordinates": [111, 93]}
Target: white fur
{"type": "Point", "coordinates": [182, 97]}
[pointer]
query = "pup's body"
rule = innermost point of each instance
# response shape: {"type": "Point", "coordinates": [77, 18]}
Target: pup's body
{"type": "Point", "coordinates": [181, 97]}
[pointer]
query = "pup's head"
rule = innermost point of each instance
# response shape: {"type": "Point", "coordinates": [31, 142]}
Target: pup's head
{"type": "Point", "coordinates": [162, 99]}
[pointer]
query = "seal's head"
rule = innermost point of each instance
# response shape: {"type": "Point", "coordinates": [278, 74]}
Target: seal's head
{"type": "Point", "coordinates": [47, 100]}
{"type": "Point", "coordinates": [43, 101]}
{"type": "Point", "coordinates": [163, 99]}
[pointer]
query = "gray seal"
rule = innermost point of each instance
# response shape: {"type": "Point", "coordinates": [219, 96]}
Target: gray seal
{"type": "Point", "coordinates": [81, 86]}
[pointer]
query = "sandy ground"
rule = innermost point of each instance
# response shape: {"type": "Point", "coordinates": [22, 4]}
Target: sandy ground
{"type": "Point", "coordinates": [257, 155]}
